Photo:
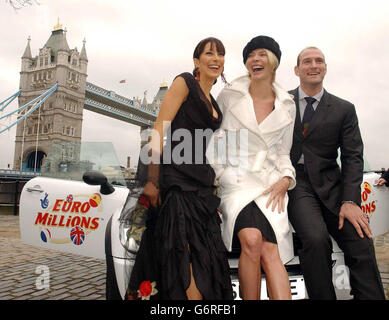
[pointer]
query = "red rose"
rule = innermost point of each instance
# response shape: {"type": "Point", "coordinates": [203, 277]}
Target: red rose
{"type": "Point", "coordinates": [143, 200]}
{"type": "Point", "coordinates": [145, 289]}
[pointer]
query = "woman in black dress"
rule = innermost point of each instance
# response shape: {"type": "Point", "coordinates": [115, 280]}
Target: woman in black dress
{"type": "Point", "coordinates": [184, 242]}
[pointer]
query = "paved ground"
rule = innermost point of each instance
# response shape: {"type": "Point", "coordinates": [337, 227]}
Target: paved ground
{"type": "Point", "coordinates": [74, 277]}
{"type": "Point", "coordinates": [71, 277]}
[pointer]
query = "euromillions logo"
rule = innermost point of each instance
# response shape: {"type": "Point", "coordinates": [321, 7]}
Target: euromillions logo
{"type": "Point", "coordinates": [45, 235]}
{"type": "Point", "coordinates": [77, 235]}
{"type": "Point", "coordinates": [95, 200]}
{"type": "Point", "coordinates": [44, 202]}
{"type": "Point", "coordinates": [69, 198]}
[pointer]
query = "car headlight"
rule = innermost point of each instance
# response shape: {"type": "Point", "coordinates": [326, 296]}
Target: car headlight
{"type": "Point", "coordinates": [126, 239]}
{"type": "Point", "coordinates": [133, 221]}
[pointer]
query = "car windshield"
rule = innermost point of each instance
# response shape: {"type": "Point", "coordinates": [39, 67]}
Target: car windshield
{"type": "Point", "coordinates": [366, 166]}
{"type": "Point", "coordinates": [70, 160]}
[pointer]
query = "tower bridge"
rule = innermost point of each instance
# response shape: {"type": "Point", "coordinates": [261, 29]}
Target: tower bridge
{"type": "Point", "coordinates": [59, 115]}
{"type": "Point", "coordinates": [110, 104]}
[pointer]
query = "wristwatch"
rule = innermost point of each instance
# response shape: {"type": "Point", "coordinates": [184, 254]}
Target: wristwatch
{"type": "Point", "coordinates": [349, 201]}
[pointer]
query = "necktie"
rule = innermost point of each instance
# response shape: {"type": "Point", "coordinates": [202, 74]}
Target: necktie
{"type": "Point", "coordinates": [308, 113]}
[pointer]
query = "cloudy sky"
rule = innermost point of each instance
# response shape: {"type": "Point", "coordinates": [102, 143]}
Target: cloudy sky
{"type": "Point", "coordinates": [148, 42]}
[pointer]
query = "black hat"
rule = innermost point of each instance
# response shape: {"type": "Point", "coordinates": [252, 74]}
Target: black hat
{"type": "Point", "coordinates": [262, 42]}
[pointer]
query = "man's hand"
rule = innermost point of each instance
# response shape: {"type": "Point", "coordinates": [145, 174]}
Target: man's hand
{"type": "Point", "coordinates": [277, 193]}
{"type": "Point", "coordinates": [152, 193]}
{"type": "Point", "coordinates": [381, 181]}
{"type": "Point", "coordinates": [354, 214]}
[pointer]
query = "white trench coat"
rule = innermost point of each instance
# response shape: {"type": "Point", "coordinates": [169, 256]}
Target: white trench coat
{"type": "Point", "coordinates": [260, 160]}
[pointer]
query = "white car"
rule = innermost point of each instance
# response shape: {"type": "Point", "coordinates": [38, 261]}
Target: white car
{"type": "Point", "coordinates": [81, 204]}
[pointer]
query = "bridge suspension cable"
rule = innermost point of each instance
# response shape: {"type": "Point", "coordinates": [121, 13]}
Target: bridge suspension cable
{"type": "Point", "coordinates": [7, 101]}
{"type": "Point", "coordinates": [35, 103]}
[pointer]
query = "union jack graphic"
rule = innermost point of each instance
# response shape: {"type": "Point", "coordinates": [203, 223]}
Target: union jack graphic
{"type": "Point", "coordinates": [77, 235]}
{"type": "Point", "coordinates": [69, 198]}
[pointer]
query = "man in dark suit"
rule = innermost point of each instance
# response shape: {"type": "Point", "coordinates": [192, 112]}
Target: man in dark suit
{"type": "Point", "coordinates": [384, 179]}
{"type": "Point", "coordinates": [327, 199]}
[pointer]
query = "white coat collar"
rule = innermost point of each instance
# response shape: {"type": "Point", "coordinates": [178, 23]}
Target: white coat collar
{"type": "Point", "coordinates": [243, 109]}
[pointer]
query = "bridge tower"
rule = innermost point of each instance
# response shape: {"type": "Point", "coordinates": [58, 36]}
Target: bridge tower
{"type": "Point", "coordinates": [60, 117]}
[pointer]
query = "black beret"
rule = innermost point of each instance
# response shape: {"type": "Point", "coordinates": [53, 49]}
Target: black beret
{"type": "Point", "coordinates": [262, 42]}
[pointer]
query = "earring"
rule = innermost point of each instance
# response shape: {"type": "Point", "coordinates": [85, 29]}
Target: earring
{"type": "Point", "coordinates": [197, 73]}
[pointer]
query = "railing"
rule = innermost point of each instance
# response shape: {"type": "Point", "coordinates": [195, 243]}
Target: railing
{"type": "Point", "coordinates": [126, 102]}
{"type": "Point", "coordinates": [11, 185]}
{"type": "Point", "coordinates": [138, 120]}
{"type": "Point", "coordinates": [8, 173]}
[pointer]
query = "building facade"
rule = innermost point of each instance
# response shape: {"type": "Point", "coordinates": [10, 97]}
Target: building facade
{"type": "Point", "coordinates": [60, 117]}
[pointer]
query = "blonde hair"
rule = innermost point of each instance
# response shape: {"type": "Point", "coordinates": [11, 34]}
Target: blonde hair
{"type": "Point", "coordinates": [272, 60]}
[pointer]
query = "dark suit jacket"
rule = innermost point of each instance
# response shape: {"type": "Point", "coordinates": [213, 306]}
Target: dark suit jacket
{"type": "Point", "coordinates": [385, 176]}
{"type": "Point", "coordinates": [334, 125]}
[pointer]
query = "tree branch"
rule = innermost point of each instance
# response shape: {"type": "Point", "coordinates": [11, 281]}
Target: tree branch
{"type": "Point", "coordinates": [18, 4]}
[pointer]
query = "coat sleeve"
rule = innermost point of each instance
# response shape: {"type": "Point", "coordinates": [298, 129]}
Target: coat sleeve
{"type": "Point", "coordinates": [385, 176]}
{"type": "Point", "coordinates": [351, 148]}
{"type": "Point", "coordinates": [284, 164]}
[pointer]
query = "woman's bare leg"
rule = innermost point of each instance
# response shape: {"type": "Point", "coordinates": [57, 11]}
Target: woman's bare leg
{"type": "Point", "coordinates": [249, 270]}
{"type": "Point", "coordinates": [193, 292]}
{"type": "Point", "coordinates": [277, 279]}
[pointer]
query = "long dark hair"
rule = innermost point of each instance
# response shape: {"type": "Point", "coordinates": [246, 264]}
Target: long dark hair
{"type": "Point", "coordinates": [200, 48]}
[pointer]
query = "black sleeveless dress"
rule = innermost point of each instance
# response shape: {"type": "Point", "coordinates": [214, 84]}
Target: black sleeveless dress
{"type": "Point", "coordinates": [185, 229]}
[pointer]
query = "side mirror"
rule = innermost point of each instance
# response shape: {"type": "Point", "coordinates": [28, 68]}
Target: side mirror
{"type": "Point", "coordinates": [95, 178]}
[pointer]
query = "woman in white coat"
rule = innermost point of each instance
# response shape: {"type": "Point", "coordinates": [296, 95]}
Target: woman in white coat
{"type": "Point", "coordinates": [253, 184]}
